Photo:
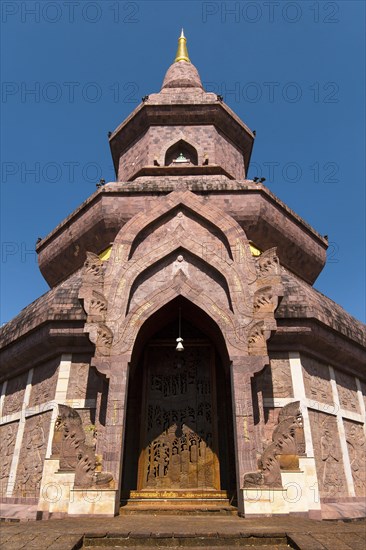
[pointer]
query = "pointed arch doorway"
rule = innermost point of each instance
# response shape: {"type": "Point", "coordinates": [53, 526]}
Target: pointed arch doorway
{"type": "Point", "coordinates": [179, 428]}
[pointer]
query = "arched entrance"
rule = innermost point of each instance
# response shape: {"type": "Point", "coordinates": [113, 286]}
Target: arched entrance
{"type": "Point", "coordinates": [179, 427]}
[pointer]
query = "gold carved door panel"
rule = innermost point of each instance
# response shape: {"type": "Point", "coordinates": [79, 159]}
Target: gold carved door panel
{"type": "Point", "coordinates": [179, 439]}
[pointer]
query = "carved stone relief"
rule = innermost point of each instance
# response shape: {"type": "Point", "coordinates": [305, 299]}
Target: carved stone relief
{"type": "Point", "coordinates": [277, 380]}
{"type": "Point", "coordinates": [98, 306]}
{"type": "Point", "coordinates": [179, 223]}
{"type": "Point", "coordinates": [257, 338]}
{"type": "Point", "coordinates": [180, 462]}
{"type": "Point", "coordinates": [8, 433]}
{"type": "Point", "coordinates": [100, 416]}
{"type": "Point", "coordinates": [149, 257]}
{"type": "Point", "coordinates": [14, 396]}
{"type": "Point", "coordinates": [78, 381]}
{"type": "Point", "coordinates": [93, 269]}
{"type": "Point", "coordinates": [148, 269]}
{"type": "Point", "coordinates": [44, 383]}
{"type": "Point", "coordinates": [328, 454]}
{"type": "Point", "coordinates": [33, 450]}
{"type": "Point", "coordinates": [104, 339]}
{"type": "Point", "coordinates": [356, 443]}
{"type": "Point", "coordinates": [268, 291]}
{"type": "Point", "coordinates": [164, 272]}
{"type": "Point", "coordinates": [68, 435]}
{"type": "Point", "coordinates": [95, 304]}
{"type": "Point", "coordinates": [268, 263]}
{"type": "Point", "coordinates": [271, 421]}
{"type": "Point", "coordinates": [347, 392]}
{"type": "Point", "coordinates": [91, 431]}
{"type": "Point", "coordinates": [178, 442]}
{"type": "Point", "coordinates": [83, 383]}
{"type": "Point", "coordinates": [76, 450]}
{"type": "Point", "coordinates": [288, 442]}
{"type": "Point", "coordinates": [289, 433]}
{"type": "Point", "coordinates": [317, 380]}
{"type": "Point", "coordinates": [264, 301]}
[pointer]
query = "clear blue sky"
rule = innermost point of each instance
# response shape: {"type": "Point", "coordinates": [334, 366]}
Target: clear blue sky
{"type": "Point", "coordinates": [293, 71]}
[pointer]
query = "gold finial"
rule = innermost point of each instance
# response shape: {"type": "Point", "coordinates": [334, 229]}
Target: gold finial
{"type": "Point", "coordinates": [182, 52]}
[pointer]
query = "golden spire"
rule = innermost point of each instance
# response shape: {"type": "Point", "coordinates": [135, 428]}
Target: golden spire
{"type": "Point", "coordinates": [182, 52]}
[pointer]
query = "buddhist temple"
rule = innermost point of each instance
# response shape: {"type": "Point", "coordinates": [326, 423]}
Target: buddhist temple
{"type": "Point", "coordinates": [182, 356]}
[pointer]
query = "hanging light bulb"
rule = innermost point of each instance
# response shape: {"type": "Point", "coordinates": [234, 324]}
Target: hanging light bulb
{"type": "Point", "coordinates": [179, 340]}
{"type": "Point", "coordinates": [180, 346]}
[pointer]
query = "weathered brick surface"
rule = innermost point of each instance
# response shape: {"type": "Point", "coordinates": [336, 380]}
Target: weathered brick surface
{"type": "Point", "coordinates": [181, 88]}
{"type": "Point", "coordinates": [303, 301]}
{"type": "Point", "coordinates": [207, 140]}
{"type": "Point", "coordinates": [182, 75]}
{"type": "Point", "coordinates": [61, 303]}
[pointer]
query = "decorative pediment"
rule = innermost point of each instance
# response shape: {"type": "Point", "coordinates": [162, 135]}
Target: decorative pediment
{"type": "Point", "coordinates": [181, 235]}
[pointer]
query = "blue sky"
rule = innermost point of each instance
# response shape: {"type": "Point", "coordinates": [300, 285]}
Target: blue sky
{"type": "Point", "coordinates": [293, 71]}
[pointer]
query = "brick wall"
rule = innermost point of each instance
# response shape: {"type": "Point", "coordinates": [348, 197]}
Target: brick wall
{"type": "Point", "coordinates": [207, 140]}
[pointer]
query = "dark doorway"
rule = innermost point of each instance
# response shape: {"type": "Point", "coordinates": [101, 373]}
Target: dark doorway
{"type": "Point", "coordinates": [179, 428]}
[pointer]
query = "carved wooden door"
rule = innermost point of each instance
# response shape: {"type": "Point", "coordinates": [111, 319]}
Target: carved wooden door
{"type": "Point", "coordinates": [178, 438]}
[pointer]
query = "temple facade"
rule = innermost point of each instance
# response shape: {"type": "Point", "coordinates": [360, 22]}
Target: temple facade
{"type": "Point", "coordinates": [182, 357]}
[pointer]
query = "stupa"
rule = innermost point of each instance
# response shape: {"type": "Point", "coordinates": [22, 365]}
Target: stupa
{"type": "Point", "coordinates": [182, 356]}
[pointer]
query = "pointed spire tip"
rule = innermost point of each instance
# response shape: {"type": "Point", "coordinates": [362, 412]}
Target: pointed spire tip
{"type": "Point", "coordinates": [182, 52]}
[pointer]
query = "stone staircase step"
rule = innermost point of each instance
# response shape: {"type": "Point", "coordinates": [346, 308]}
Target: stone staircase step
{"type": "Point", "coordinates": [263, 542]}
{"type": "Point", "coordinates": [181, 511]}
{"type": "Point", "coordinates": [174, 505]}
{"type": "Point", "coordinates": [226, 547]}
